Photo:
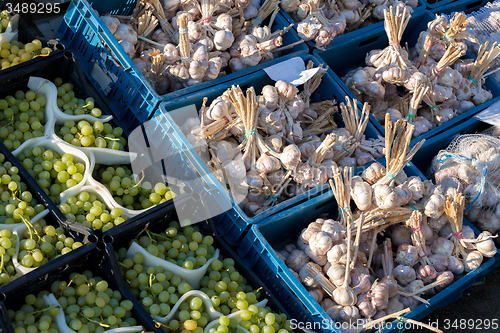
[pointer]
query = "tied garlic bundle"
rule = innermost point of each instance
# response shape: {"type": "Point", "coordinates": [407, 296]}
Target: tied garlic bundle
{"type": "Point", "coordinates": [180, 44]}
{"type": "Point", "coordinates": [471, 164]}
{"type": "Point", "coordinates": [281, 144]}
{"type": "Point", "coordinates": [439, 86]}
{"type": "Point", "coordinates": [424, 248]}
{"type": "Point", "coordinates": [321, 21]}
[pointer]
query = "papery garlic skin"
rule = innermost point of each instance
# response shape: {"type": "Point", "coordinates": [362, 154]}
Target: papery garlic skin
{"type": "Point", "coordinates": [404, 274]}
{"type": "Point", "coordinates": [296, 260]}
{"type": "Point", "coordinates": [362, 195]}
{"type": "Point", "coordinates": [473, 260]}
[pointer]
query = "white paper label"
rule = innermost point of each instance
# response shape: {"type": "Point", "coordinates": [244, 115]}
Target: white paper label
{"type": "Point", "coordinates": [292, 71]}
{"type": "Point", "coordinates": [491, 115]}
{"type": "Point", "coordinates": [101, 78]}
{"type": "Point", "coordinates": [10, 33]}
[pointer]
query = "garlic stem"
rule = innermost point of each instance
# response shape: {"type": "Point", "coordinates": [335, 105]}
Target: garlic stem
{"type": "Point", "coordinates": [370, 324]}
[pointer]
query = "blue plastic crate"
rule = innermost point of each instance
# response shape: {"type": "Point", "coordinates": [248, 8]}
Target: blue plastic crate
{"type": "Point", "coordinates": [377, 39]}
{"type": "Point", "coordinates": [110, 69]}
{"type": "Point", "coordinates": [258, 250]}
{"type": "Point", "coordinates": [233, 223]}
{"type": "Point", "coordinates": [353, 34]}
{"type": "Point", "coordinates": [466, 6]}
{"type": "Point", "coordinates": [431, 4]}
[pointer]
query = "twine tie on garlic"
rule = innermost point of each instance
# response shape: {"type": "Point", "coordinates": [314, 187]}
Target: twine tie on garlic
{"type": "Point", "coordinates": [422, 62]}
{"type": "Point", "coordinates": [389, 248]}
{"type": "Point", "coordinates": [428, 45]}
{"type": "Point", "coordinates": [435, 71]}
{"type": "Point", "coordinates": [306, 93]}
{"type": "Point", "coordinates": [417, 229]}
{"type": "Point", "coordinates": [403, 328]}
{"type": "Point", "coordinates": [458, 235]}
{"type": "Point", "coordinates": [225, 118]}
{"type": "Point", "coordinates": [272, 198]}
{"type": "Point", "coordinates": [206, 19]}
{"type": "Point", "coordinates": [258, 19]}
{"type": "Point", "coordinates": [144, 35]}
{"type": "Point", "coordinates": [162, 22]}
{"type": "Point", "coordinates": [433, 107]}
{"type": "Point", "coordinates": [409, 115]}
{"type": "Point", "coordinates": [446, 38]}
{"type": "Point", "coordinates": [393, 44]}
{"type": "Point", "coordinates": [248, 133]}
{"type": "Point", "coordinates": [390, 175]}
{"type": "Point", "coordinates": [347, 151]}
{"type": "Point", "coordinates": [413, 208]}
{"type": "Point", "coordinates": [183, 30]}
{"type": "Point", "coordinates": [185, 59]}
{"type": "Point", "coordinates": [474, 81]}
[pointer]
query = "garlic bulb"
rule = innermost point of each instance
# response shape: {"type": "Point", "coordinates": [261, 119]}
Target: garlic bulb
{"type": "Point", "coordinates": [379, 295]}
{"type": "Point", "coordinates": [337, 254]}
{"type": "Point", "coordinates": [334, 311]}
{"type": "Point", "coordinates": [320, 243]}
{"type": "Point", "coordinates": [455, 265]}
{"type": "Point", "coordinates": [473, 261]}
{"type": "Point", "coordinates": [266, 164]}
{"type": "Point", "coordinates": [400, 235]}
{"type": "Point", "coordinates": [311, 229]}
{"type": "Point", "coordinates": [335, 230]}
{"type": "Point", "coordinates": [394, 305]}
{"type": "Point", "coordinates": [434, 207]}
{"type": "Point", "coordinates": [318, 259]}
{"type": "Point", "coordinates": [316, 294]}
{"type": "Point", "coordinates": [385, 196]}
{"type": "Point", "coordinates": [439, 261]}
{"type": "Point", "coordinates": [360, 283]}
{"type": "Point", "coordinates": [484, 245]}
{"type": "Point", "coordinates": [404, 274]}
{"type": "Point", "coordinates": [426, 273]}
{"type": "Point", "coordinates": [373, 173]}
{"type": "Point", "coordinates": [111, 23]}
{"type": "Point", "coordinates": [296, 260]}
{"type": "Point", "coordinates": [125, 32]}
{"type": "Point", "coordinates": [223, 39]}
{"type": "Point", "coordinates": [437, 224]}
{"type": "Point", "coordinates": [336, 273]}
{"type": "Point", "coordinates": [326, 303]}
{"type": "Point", "coordinates": [444, 275]}
{"type": "Point", "coordinates": [416, 186]}
{"type": "Point", "coordinates": [361, 193]}
{"type": "Point", "coordinates": [442, 246]}
{"type": "Point", "coordinates": [349, 314]}
{"type": "Point", "coordinates": [407, 255]}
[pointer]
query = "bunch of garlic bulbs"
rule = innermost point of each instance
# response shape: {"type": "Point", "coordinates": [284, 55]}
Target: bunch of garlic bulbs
{"type": "Point", "coordinates": [471, 163]}
{"type": "Point", "coordinates": [425, 246]}
{"type": "Point", "coordinates": [282, 145]}
{"type": "Point", "coordinates": [438, 86]}
{"type": "Point", "coordinates": [321, 21]}
{"type": "Point", "coordinates": [198, 40]}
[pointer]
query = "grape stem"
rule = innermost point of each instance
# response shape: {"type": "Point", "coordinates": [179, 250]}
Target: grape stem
{"type": "Point", "coordinates": [54, 306]}
{"type": "Point", "coordinates": [160, 236]}
{"type": "Point", "coordinates": [1, 264]}
{"type": "Point", "coordinates": [98, 322]}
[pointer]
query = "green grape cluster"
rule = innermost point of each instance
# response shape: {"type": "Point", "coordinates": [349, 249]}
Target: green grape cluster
{"type": "Point", "coordinates": [129, 190]}
{"type": "Point", "coordinates": [42, 243]}
{"type": "Point", "coordinates": [15, 52]}
{"type": "Point", "coordinates": [157, 289]}
{"type": "Point", "coordinates": [53, 172]}
{"type": "Point", "coordinates": [16, 203]}
{"type": "Point", "coordinates": [21, 118]}
{"type": "Point", "coordinates": [72, 105]}
{"type": "Point", "coordinates": [255, 320]}
{"type": "Point", "coordinates": [4, 20]}
{"type": "Point", "coordinates": [86, 209]}
{"type": "Point", "coordinates": [8, 243]}
{"type": "Point", "coordinates": [189, 249]}
{"type": "Point", "coordinates": [98, 134]}
{"type": "Point", "coordinates": [88, 303]}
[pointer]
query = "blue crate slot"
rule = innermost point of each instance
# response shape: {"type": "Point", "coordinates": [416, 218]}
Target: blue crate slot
{"type": "Point", "coordinates": [120, 82]}
{"type": "Point", "coordinates": [466, 6]}
{"type": "Point", "coordinates": [258, 250]}
{"type": "Point", "coordinates": [377, 39]}
{"type": "Point", "coordinates": [431, 4]}
{"type": "Point", "coordinates": [234, 222]}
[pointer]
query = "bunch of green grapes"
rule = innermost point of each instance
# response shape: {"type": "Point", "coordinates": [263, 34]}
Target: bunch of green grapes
{"type": "Point", "coordinates": [15, 52]}
{"type": "Point", "coordinates": [4, 20]}
{"type": "Point", "coordinates": [88, 303]}
{"type": "Point", "coordinates": [86, 209]}
{"type": "Point", "coordinates": [99, 135]}
{"type": "Point", "coordinates": [16, 203]}
{"type": "Point", "coordinates": [72, 105]}
{"type": "Point", "coordinates": [188, 249]}
{"type": "Point", "coordinates": [8, 243]}
{"type": "Point", "coordinates": [53, 172]}
{"type": "Point", "coordinates": [156, 288]}
{"type": "Point", "coordinates": [255, 320]}
{"type": "Point", "coordinates": [21, 118]}
{"type": "Point", "coordinates": [43, 243]}
{"type": "Point", "coordinates": [129, 190]}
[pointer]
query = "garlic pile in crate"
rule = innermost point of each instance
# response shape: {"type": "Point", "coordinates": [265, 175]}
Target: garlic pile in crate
{"type": "Point", "coordinates": [277, 145]}
{"type": "Point", "coordinates": [178, 44]}
{"type": "Point", "coordinates": [425, 246]}
{"type": "Point", "coordinates": [471, 163]}
{"type": "Point", "coordinates": [435, 76]}
{"type": "Point", "coordinates": [321, 21]}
